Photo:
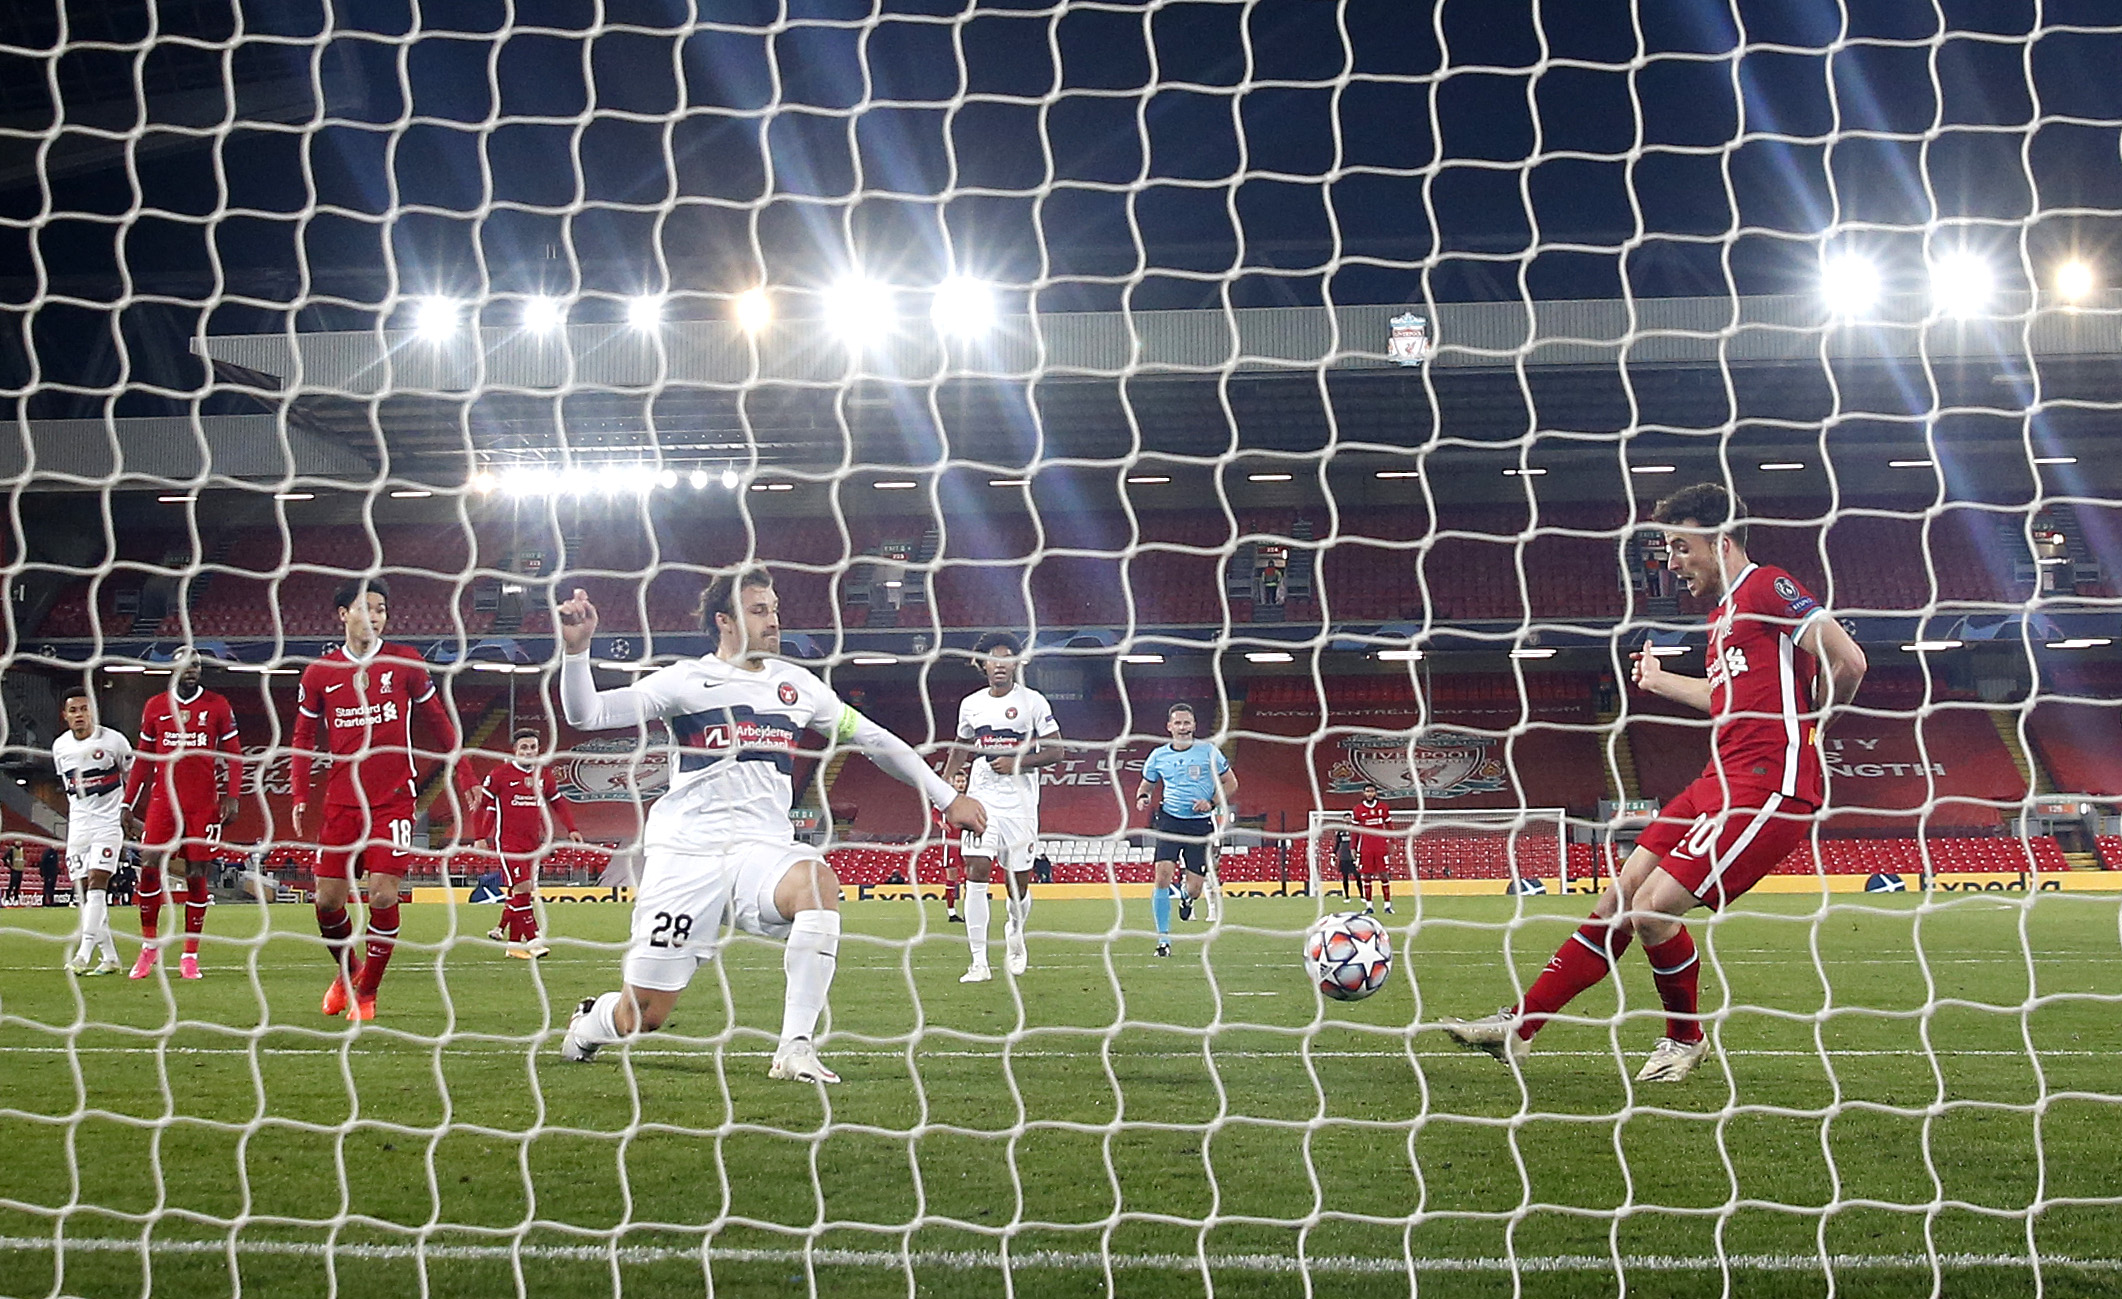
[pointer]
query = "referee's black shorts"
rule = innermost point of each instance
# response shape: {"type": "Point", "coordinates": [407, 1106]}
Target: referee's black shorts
{"type": "Point", "coordinates": [1183, 839]}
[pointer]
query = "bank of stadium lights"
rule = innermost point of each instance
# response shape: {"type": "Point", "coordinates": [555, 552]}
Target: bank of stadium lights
{"type": "Point", "coordinates": [2055, 460]}
{"type": "Point", "coordinates": [411, 494]}
{"type": "Point", "coordinates": [1269, 656]}
{"type": "Point", "coordinates": [1009, 482]}
{"type": "Point", "coordinates": [1532, 653]}
{"type": "Point", "coordinates": [435, 319]}
{"type": "Point", "coordinates": [1269, 478]}
{"type": "Point", "coordinates": [1781, 466]}
{"type": "Point", "coordinates": [729, 480]}
{"type": "Point", "coordinates": [1142, 658]}
{"type": "Point", "coordinates": [895, 484]}
{"type": "Point", "coordinates": [861, 311]}
{"type": "Point", "coordinates": [2075, 281]}
{"type": "Point", "coordinates": [963, 307]}
{"type": "Point", "coordinates": [294, 496]}
{"type": "Point", "coordinates": [1961, 285]}
{"type": "Point", "coordinates": [1850, 285]}
{"type": "Point", "coordinates": [1399, 473]}
{"type": "Point", "coordinates": [1930, 646]}
{"type": "Point", "coordinates": [543, 314]}
{"type": "Point", "coordinates": [1523, 473]}
{"type": "Point", "coordinates": [644, 312]}
{"type": "Point", "coordinates": [2081, 642]}
{"type": "Point", "coordinates": [753, 310]}
{"type": "Point", "coordinates": [1911, 464]}
{"type": "Point", "coordinates": [1400, 656]}
{"type": "Point", "coordinates": [874, 660]}
{"type": "Point", "coordinates": [1654, 469]}
{"type": "Point", "coordinates": [773, 487]}
{"type": "Point", "coordinates": [1147, 480]}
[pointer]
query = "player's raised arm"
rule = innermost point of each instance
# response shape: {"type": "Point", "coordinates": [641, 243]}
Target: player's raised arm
{"type": "Point", "coordinates": [1650, 676]}
{"type": "Point", "coordinates": [897, 759]}
{"type": "Point", "coordinates": [586, 707]}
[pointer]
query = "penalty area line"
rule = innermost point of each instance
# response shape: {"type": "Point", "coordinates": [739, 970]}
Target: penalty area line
{"type": "Point", "coordinates": [965, 1260]}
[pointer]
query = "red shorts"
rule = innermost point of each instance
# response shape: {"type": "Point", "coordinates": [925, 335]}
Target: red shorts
{"type": "Point", "coordinates": [379, 838]}
{"type": "Point", "coordinates": [518, 868]}
{"type": "Point", "coordinates": [1719, 843]}
{"type": "Point", "coordinates": [1376, 861]}
{"type": "Point", "coordinates": [191, 832]}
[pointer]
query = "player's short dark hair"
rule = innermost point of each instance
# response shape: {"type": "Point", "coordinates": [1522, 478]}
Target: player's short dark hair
{"type": "Point", "coordinates": [352, 589]}
{"type": "Point", "coordinates": [76, 692]}
{"type": "Point", "coordinates": [991, 641]}
{"type": "Point", "coordinates": [1706, 505]}
{"type": "Point", "coordinates": [721, 594]}
{"type": "Point", "coordinates": [1370, 784]}
{"type": "Point", "coordinates": [522, 733]}
{"type": "Point", "coordinates": [1181, 707]}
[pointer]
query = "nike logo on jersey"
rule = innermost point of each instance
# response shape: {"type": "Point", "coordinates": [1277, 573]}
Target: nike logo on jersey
{"type": "Point", "coordinates": [341, 685]}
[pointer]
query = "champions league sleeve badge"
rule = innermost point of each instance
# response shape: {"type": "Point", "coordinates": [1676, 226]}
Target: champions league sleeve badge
{"type": "Point", "coordinates": [1409, 342]}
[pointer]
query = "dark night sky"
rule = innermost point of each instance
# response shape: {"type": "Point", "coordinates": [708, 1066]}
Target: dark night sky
{"type": "Point", "coordinates": [1379, 151]}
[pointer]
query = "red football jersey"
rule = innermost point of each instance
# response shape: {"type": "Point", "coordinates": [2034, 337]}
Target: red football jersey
{"type": "Point", "coordinates": [366, 708]}
{"type": "Point", "coordinates": [190, 750]}
{"type": "Point", "coordinates": [521, 807]}
{"type": "Point", "coordinates": [1761, 686]}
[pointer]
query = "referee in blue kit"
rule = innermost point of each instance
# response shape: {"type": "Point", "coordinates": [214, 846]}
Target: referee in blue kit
{"type": "Point", "coordinates": [1195, 778]}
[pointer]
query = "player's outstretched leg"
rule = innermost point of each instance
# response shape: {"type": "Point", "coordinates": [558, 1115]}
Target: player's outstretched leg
{"type": "Point", "coordinates": [809, 894]}
{"type": "Point", "coordinates": [1677, 969]}
{"type": "Point", "coordinates": [1584, 958]}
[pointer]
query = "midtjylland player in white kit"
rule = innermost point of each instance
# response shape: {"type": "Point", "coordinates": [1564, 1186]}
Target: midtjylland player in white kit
{"type": "Point", "coordinates": [1009, 731]}
{"type": "Point", "coordinates": [719, 843]}
{"type": "Point", "coordinates": [92, 762]}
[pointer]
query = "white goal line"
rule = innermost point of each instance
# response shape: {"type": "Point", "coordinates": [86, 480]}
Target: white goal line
{"type": "Point", "coordinates": [966, 1260]}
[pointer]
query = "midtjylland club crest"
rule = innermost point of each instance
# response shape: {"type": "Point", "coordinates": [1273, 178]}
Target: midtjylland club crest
{"type": "Point", "coordinates": [1438, 763]}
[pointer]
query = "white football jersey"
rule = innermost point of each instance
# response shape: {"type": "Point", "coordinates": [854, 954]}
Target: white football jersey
{"type": "Point", "coordinates": [93, 774]}
{"type": "Point", "coordinates": [1001, 725]}
{"type": "Point", "coordinates": [733, 738]}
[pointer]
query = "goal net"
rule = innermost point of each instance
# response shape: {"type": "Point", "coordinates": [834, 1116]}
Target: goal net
{"type": "Point", "coordinates": [1296, 381]}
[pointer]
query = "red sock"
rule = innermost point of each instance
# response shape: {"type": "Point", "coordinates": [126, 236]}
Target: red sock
{"type": "Point", "coordinates": [1385, 888]}
{"type": "Point", "coordinates": [1583, 959]}
{"type": "Point", "coordinates": [338, 930]}
{"type": "Point", "coordinates": [382, 941]}
{"type": "Point", "coordinates": [1678, 974]}
{"type": "Point", "coordinates": [518, 919]}
{"type": "Point", "coordinates": [950, 894]}
{"type": "Point", "coordinates": [150, 900]}
{"type": "Point", "coordinates": [1363, 882]}
{"type": "Point", "coordinates": [195, 914]}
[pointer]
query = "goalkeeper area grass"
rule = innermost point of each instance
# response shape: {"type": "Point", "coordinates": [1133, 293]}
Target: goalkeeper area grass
{"type": "Point", "coordinates": [1906, 1097]}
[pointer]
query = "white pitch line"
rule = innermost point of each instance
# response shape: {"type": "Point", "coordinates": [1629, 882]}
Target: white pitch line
{"type": "Point", "coordinates": [927, 1053]}
{"type": "Point", "coordinates": [965, 1260]}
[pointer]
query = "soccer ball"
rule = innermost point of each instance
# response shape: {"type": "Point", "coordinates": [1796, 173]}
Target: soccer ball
{"type": "Point", "coordinates": [1348, 955]}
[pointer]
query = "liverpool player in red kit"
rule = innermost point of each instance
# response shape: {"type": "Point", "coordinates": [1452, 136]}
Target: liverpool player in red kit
{"type": "Point", "coordinates": [522, 802]}
{"type": "Point", "coordinates": [190, 751]}
{"type": "Point", "coordinates": [364, 693]}
{"type": "Point", "coordinates": [1778, 667]}
{"type": "Point", "coordinates": [1374, 846]}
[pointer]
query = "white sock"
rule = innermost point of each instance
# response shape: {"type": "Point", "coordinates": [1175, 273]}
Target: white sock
{"type": "Point", "coordinates": [976, 919]}
{"type": "Point", "coordinates": [96, 924]}
{"type": "Point", "coordinates": [1020, 904]}
{"type": "Point", "coordinates": [813, 953]}
{"type": "Point", "coordinates": [598, 1028]}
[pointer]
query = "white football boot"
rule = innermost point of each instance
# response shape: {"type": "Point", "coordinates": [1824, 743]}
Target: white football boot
{"type": "Point", "coordinates": [1672, 1061]}
{"type": "Point", "coordinates": [1496, 1034]}
{"type": "Point", "coordinates": [799, 1062]}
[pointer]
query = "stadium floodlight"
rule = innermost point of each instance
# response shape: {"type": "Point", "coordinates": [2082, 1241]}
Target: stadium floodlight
{"type": "Point", "coordinates": [667, 479]}
{"type": "Point", "coordinates": [410, 494]}
{"type": "Point", "coordinates": [697, 479]}
{"type": "Point", "coordinates": [1532, 653]}
{"type": "Point", "coordinates": [435, 319]}
{"type": "Point", "coordinates": [1141, 658]}
{"type": "Point", "coordinates": [1269, 478]}
{"type": "Point", "coordinates": [2081, 642]}
{"type": "Point", "coordinates": [294, 496]}
{"type": "Point", "coordinates": [483, 482]}
{"type": "Point", "coordinates": [1665, 651]}
{"type": "Point", "coordinates": [860, 311]}
{"type": "Point", "coordinates": [1523, 473]}
{"type": "Point", "coordinates": [1781, 466]}
{"type": "Point", "coordinates": [529, 480]}
{"type": "Point", "coordinates": [895, 484]}
{"type": "Point", "coordinates": [175, 500]}
{"type": "Point", "coordinates": [729, 480]}
{"type": "Point", "coordinates": [1400, 656]}
{"type": "Point", "coordinates": [1849, 284]}
{"type": "Point", "coordinates": [1654, 469]}
{"type": "Point", "coordinates": [963, 306]}
{"type": "Point", "coordinates": [873, 660]}
{"type": "Point", "coordinates": [1961, 284]}
{"type": "Point", "coordinates": [2075, 281]}
{"type": "Point", "coordinates": [644, 311]}
{"type": "Point", "coordinates": [542, 314]}
{"type": "Point", "coordinates": [1399, 473]}
{"type": "Point", "coordinates": [1911, 464]}
{"type": "Point", "coordinates": [1144, 480]}
{"type": "Point", "coordinates": [125, 667]}
{"type": "Point", "coordinates": [1929, 646]}
{"type": "Point", "coordinates": [754, 310]}
{"type": "Point", "coordinates": [2055, 460]}
{"type": "Point", "coordinates": [1009, 482]}
{"type": "Point", "coordinates": [1269, 656]}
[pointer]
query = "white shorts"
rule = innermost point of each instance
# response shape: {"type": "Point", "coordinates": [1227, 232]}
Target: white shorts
{"type": "Point", "coordinates": [685, 897]}
{"type": "Point", "coordinates": [1011, 840]}
{"type": "Point", "coordinates": [92, 852]}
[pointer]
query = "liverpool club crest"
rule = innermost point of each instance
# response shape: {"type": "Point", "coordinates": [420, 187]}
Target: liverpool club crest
{"type": "Point", "coordinates": [1437, 763]}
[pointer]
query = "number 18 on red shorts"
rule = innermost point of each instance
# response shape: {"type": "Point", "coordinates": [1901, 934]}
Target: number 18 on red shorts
{"type": "Point", "coordinates": [1718, 841]}
{"type": "Point", "coordinates": [380, 838]}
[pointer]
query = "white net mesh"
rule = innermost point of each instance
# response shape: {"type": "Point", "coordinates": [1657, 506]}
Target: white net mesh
{"type": "Point", "coordinates": [1315, 365]}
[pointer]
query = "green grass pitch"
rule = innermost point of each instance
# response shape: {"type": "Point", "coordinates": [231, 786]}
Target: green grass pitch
{"type": "Point", "coordinates": [1897, 1085]}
